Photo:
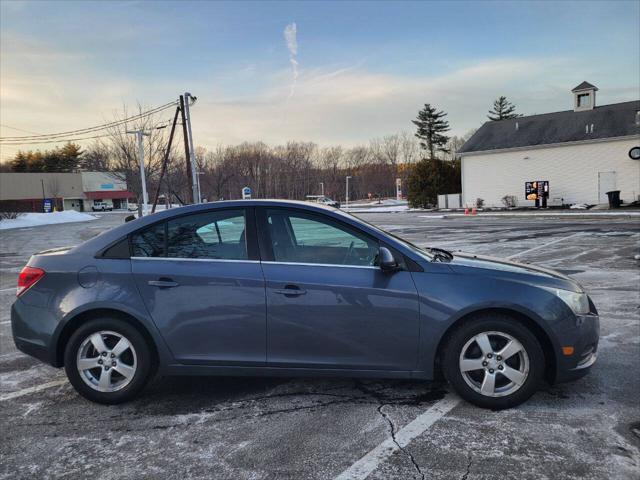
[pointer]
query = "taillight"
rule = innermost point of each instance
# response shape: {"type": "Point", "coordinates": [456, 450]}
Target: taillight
{"type": "Point", "coordinates": [27, 278]}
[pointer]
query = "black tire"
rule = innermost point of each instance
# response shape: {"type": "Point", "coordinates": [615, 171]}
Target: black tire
{"type": "Point", "coordinates": [145, 362]}
{"type": "Point", "coordinates": [493, 322]}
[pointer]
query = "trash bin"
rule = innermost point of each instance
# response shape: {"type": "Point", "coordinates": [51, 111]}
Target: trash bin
{"type": "Point", "coordinates": [614, 198]}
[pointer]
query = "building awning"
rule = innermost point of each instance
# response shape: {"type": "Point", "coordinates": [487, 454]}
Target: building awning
{"type": "Point", "coordinates": [110, 194]}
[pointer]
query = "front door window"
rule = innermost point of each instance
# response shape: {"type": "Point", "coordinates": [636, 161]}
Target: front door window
{"type": "Point", "coordinates": [298, 237]}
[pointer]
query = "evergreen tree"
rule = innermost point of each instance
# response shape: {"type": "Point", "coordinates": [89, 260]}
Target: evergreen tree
{"type": "Point", "coordinates": [431, 128]}
{"type": "Point", "coordinates": [430, 178]}
{"type": "Point", "coordinates": [503, 109]}
{"type": "Point", "coordinates": [19, 163]}
{"type": "Point", "coordinates": [69, 156]}
{"type": "Point", "coordinates": [35, 162]}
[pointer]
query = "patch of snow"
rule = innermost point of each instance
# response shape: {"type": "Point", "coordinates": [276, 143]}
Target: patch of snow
{"type": "Point", "coordinates": [374, 209]}
{"type": "Point", "coordinates": [37, 219]}
{"type": "Point", "coordinates": [589, 213]}
{"type": "Point", "coordinates": [374, 203]}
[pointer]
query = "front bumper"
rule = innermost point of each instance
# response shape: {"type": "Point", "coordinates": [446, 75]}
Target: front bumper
{"type": "Point", "coordinates": [584, 340]}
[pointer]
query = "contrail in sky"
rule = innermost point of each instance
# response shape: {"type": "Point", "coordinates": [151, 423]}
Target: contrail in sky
{"type": "Point", "coordinates": [290, 36]}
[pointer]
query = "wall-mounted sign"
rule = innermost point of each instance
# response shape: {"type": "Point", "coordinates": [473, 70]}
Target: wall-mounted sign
{"type": "Point", "coordinates": [634, 153]}
{"type": "Point", "coordinates": [106, 186]}
{"type": "Point", "coordinates": [536, 190]}
{"type": "Point", "coordinates": [246, 193]}
{"type": "Point", "coordinates": [47, 205]}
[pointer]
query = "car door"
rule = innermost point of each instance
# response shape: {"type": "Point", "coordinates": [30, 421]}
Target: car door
{"type": "Point", "coordinates": [328, 305]}
{"type": "Point", "coordinates": [201, 281]}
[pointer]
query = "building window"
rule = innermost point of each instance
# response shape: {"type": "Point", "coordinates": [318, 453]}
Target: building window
{"type": "Point", "coordinates": [584, 100]}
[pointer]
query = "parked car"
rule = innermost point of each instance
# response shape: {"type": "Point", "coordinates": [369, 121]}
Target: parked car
{"type": "Point", "coordinates": [322, 200]}
{"type": "Point", "coordinates": [101, 206]}
{"type": "Point", "coordinates": [260, 287]}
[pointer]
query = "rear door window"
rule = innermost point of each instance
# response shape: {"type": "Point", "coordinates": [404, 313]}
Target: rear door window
{"type": "Point", "coordinates": [149, 242]}
{"type": "Point", "coordinates": [213, 235]}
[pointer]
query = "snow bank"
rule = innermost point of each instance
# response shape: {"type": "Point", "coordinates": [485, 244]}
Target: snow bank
{"type": "Point", "coordinates": [37, 219]}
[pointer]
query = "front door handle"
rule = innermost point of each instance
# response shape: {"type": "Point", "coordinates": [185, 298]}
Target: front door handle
{"type": "Point", "coordinates": [163, 283]}
{"type": "Point", "coordinates": [292, 290]}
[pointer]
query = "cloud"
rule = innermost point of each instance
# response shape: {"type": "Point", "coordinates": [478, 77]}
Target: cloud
{"type": "Point", "coordinates": [352, 105]}
{"type": "Point", "coordinates": [47, 90]}
{"type": "Point", "coordinates": [290, 36]}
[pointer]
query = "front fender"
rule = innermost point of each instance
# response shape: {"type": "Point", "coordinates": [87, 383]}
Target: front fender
{"type": "Point", "coordinates": [448, 298]}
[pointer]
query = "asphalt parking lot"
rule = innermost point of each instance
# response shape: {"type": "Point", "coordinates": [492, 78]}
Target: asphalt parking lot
{"type": "Point", "coordinates": [272, 428]}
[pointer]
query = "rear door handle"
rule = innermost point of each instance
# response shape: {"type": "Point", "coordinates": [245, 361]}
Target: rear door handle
{"type": "Point", "coordinates": [163, 283]}
{"type": "Point", "coordinates": [292, 290]}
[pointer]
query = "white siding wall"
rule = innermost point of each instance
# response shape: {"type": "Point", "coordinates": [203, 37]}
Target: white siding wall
{"type": "Point", "coordinates": [572, 172]}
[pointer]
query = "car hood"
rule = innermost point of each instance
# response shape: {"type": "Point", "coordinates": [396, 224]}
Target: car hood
{"type": "Point", "coordinates": [484, 265]}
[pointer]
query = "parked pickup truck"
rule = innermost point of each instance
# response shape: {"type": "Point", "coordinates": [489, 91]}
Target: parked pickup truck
{"type": "Point", "coordinates": [101, 207]}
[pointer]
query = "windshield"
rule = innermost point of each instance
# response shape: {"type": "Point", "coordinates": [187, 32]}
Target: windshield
{"type": "Point", "coordinates": [414, 248]}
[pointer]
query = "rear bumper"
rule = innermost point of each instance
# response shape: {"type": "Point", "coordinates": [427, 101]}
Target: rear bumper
{"type": "Point", "coordinates": [585, 343]}
{"type": "Point", "coordinates": [32, 329]}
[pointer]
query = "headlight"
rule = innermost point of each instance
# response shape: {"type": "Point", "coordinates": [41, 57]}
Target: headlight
{"type": "Point", "coordinates": [577, 302]}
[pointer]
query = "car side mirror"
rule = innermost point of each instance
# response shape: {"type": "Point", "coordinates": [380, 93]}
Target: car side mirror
{"type": "Point", "coordinates": [386, 260]}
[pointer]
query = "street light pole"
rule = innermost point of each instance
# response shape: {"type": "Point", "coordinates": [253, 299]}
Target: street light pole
{"type": "Point", "coordinates": [139, 134]}
{"type": "Point", "coordinates": [198, 185]}
{"type": "Point", "coordinates": [347, 195]}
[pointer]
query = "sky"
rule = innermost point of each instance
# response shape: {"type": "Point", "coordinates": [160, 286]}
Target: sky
{"type": "Point", "coordinates": [328, 72]}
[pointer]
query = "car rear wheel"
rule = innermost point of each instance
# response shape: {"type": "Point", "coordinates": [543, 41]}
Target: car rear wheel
{"type": "Point", "coordinates": [108, 361]}
{"type": "Point", "coordinates": [493, 361]}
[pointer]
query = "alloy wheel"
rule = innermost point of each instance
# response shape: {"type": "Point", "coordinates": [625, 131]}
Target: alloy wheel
{"type": "Point", "coordinates": [494, 364]}
{"type": "Point", "coordinates": [106, 361]}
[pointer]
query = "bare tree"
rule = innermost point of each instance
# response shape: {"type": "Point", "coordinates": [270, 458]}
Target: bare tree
{"type": "Point", "coordinates": [123, 148]}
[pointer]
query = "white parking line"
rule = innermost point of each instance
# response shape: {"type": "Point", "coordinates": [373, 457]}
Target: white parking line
{"type": "Point", "coordinates": [6, 322]}
{"type": "Point", "coordinates": [8, 289]}
{"type": "Point", "coordinates": [544, 245]}
{"type": "Point", "coordinates": [367, 464]}
{"type": "Point", "coordinates": [37, 388]}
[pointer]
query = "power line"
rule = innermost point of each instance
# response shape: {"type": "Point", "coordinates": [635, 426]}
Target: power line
{"type": "Point", "coordinates": [62, 139]}
{"type": "Point", "coordinates": [65, 140]}
{"type": "Point", "coordinates": [19, 129]}
{"type": "Point", "coordinates": [88, 129]}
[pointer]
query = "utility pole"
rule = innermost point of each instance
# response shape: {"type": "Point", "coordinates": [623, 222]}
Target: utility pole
{"type": "Point", "coordinates": [347, 195]}
{"type": "Point", "coordinates": [192, 154]}
{"type": "Point", "coordinates": [187, 155]}
{"type": "Point", "coordinates": [322, 188]}
{"type": "Point", "coordinates": [139, 136]}
{"type": "Point", "coordinates": [164, 164]}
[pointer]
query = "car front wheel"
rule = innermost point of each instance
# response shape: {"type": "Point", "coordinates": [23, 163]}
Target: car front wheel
{"type": "Point", "coordinates": [108, 361]}
{"type": "Point", "coordinates": [494, 361]}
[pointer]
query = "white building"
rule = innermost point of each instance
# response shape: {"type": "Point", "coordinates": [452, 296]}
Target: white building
{"type": "Point", "coordinates": [583, 153]}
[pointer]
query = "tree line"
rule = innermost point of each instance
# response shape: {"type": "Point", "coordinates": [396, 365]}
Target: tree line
{"type": "Point", "coordinates": [425, 161]}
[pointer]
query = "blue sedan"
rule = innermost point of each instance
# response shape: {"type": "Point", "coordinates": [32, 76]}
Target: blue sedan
{"type": "Point", "coordinates": [266, 287]}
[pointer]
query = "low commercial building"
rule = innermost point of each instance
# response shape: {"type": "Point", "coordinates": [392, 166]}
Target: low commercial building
{"type": "Point", "coordinates": [582, 153]}
{"type": "Point", "coordinates": [29, 192]}
{"type": "Point", "coordinates": [105, 187]}
{"type": "Point", "coordinates": [26, 192]}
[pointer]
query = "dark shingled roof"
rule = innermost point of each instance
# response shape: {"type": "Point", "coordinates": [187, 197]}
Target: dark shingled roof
{"type": "Point", "coordinates": [616, 120]}
{"type": "Point", "coordinates": [584, 86]}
